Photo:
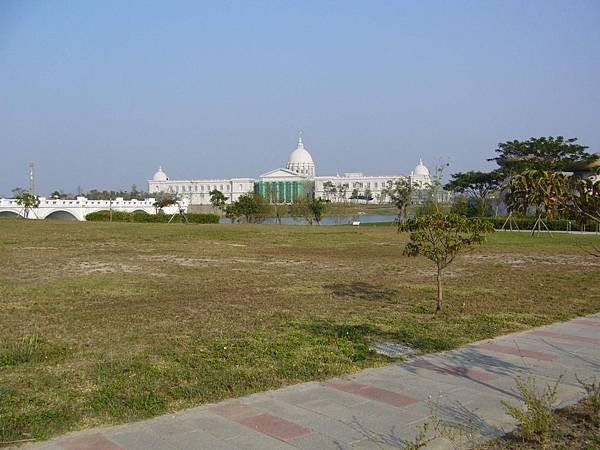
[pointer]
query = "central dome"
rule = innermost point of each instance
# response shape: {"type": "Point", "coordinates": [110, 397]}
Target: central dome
{"type": "Point", "coordinates": [300, 160]}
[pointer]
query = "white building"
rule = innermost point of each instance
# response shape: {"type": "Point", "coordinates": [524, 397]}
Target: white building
{"type": "Point", "coordinates": [297, 179]}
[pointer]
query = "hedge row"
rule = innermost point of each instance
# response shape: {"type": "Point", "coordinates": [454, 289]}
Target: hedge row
{"type": "Point", "coordinates": [526, 223]}
{"type": "Point", "coordinates": [118, 216]}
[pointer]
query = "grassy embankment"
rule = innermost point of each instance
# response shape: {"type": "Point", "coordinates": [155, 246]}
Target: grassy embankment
{"type": "Point", "coordinates": [110, 322]}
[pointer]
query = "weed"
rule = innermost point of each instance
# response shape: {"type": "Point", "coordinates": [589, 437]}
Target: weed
{"type": "Point", "coordinates": [421, 440]}
{"type": "Point", "coordinates": [592, 391]}
{"type": "Point", "coordinates": [21, 351]}
{"type": "Point", "coordinates": [536, 416]}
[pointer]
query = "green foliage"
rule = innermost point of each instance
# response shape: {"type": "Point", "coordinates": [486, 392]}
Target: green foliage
{"type": "Point", "coordinates": [536, 415]}
{"type": "Point", "coordinates": [553, 192]}
{"type": "Point", "coordinates": [60, 195]}
{"type": "Point", "coordinates": [468, 206]}
{"type": "Point", "coordinates": [217, 199]}
{"type": "Point", "coordinates": [538, 189]}
{"type": "Point", "coordinates": [477, 185]}
{"type": "Point", "coordinates": [401, 195]}
{"type": "Point", "coordinates": [440, 238]}
{"type": "Point", "coordinates": [119, 216]}
{"type": "Point", "coordinates": [311, 210]}
{"type": "Point", "coordinates": [583, 198]}
{"type": "Point", "coordinates": [330, 190]}
{"type": "Point", "coordinates": [163, 200]}
{"type": "Point", "coordinates": [544, 153]}
{"type": "Point", "coordinates": [251, 206]}
{"type": "Point", "coordinates": [317, 208]}
{"type": "Point", "coordinates": [28, 200]}
{"type": "Point", "coordinates": [592, 391]}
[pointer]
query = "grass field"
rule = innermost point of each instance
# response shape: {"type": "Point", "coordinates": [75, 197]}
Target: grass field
{"type": "Point", "coordinates": [104, 323]}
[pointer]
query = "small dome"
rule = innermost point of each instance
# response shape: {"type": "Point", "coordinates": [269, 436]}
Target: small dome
{"type": "Point", "coordinates": [300, 160]}
{"type": "Point", "coordinates": [421, 170]}
{"type": "Point", "coordinates": [160, 175]}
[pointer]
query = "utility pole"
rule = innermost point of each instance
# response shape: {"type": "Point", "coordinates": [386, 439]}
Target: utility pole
{"type": "Point", "coordinates": [31, 180]}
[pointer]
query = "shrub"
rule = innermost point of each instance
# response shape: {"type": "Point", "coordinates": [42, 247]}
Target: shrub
{"type": "Point", "coordinates": [536, 416]}
{"type": "Point", "coordinates": [140, 217]}
{"type": "Point", "coordinates": [592, 390]}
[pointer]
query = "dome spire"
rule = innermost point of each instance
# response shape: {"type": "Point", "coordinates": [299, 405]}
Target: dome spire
{"type": "Point", "coordinates": [300, 144]}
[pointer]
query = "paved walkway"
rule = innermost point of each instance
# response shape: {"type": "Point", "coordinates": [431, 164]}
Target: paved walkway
{"type": "Point", "coordinates": [380, 408]}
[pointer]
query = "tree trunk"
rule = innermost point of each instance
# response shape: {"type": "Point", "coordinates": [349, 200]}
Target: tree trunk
{"type": "Point", "coordinates": [439, 291]}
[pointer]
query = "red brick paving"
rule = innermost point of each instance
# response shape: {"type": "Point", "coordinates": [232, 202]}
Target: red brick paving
{"type": "Point", "coordinates": [472, 374]}
{"type": "Point", "coordinates": [262, 422]}
{"type": "Point", "coordinates": [275, 426]}
{"type": "Point", "coordinates": [90, 442]}
{"type": "Point", "coordinates": [566, 337]}
{"type": "Point", "coordinates": [591, 323]}
{"type": "Point", "coordinates": [371, 392]}
{"type": "Point", "coordinates": [518, 352]}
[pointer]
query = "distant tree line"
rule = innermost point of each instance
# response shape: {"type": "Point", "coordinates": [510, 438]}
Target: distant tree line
{"type": "Point", "coordinates": [253, 208]}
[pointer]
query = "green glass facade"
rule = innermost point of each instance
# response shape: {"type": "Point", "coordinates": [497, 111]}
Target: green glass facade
{"type": "Point", "coordinates": [283, 191]}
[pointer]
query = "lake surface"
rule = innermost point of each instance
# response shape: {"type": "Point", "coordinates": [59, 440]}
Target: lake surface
{"type": "Point", "coordinates": [332, 220]}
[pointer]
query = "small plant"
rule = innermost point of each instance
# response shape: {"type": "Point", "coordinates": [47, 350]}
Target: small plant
{"type": "Point", "coordinates": [460, 435]}
{"type": "Point", "coordinates": [421, 440]}
{"type": "Point", "coordinates": [536, 416]}
{"type": "Point", "coordinates": [21, 351]}
{"type": "Point", "coordinates": [592, 391]}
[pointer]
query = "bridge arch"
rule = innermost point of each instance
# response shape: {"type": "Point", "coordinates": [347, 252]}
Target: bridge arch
{"type": "Point", "coordinates": [140, 211]}
{"type": "Point", "coordinates": [8, 213]}
{"type": "Point", "coordinates": [61, 214]}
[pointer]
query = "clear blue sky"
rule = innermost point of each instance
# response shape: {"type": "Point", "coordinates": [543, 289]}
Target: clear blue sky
{"type": "Point", "coordinates": [99, 93]}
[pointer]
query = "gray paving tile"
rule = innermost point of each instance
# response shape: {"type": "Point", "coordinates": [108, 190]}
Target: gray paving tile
{"type": "Point", "coordinates": [217, 426]}
{"type": "Point", "coordinates": [198, 440]}
{"type": "Point", "coordinates": [318, 441]}
{"type": "Point", "coordinates": [138, 437]}
{"type": "Point", "coordinates": [257, 441]}
{"type": "Point", "coordinates": [318, 392]}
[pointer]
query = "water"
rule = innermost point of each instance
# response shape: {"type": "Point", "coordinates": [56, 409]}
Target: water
{"type": "Point", "coordinates": [332, 220]}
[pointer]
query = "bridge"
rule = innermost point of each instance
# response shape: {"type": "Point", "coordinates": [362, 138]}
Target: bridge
{"type": "Point", "coordinates": [77, 209]}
